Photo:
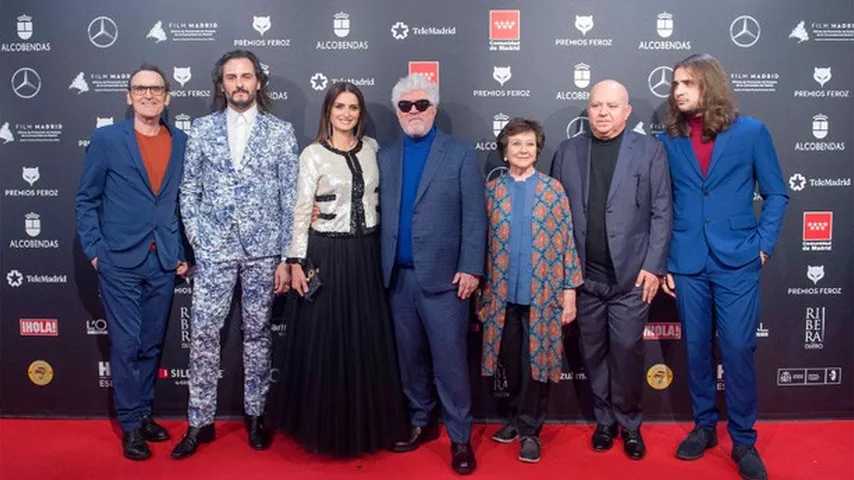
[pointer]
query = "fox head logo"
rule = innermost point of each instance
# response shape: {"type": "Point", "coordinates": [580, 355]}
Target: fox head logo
{"type": "Point", "coordinates": [30, 175]}
{"type": "Point", "coordinates": [821, 75]}
{"type": "Point", "coordinates": [261, 24]}
{"type": "Point", "coordinates": [501, 74]}
{"type": "Point", "coordinates": [584, 23]}
{"type": "Point", "coordinates": [182, 75]}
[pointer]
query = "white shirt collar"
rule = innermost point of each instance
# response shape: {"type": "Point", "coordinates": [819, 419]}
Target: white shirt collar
{"type": "Point", "coordinates": [249, 115]}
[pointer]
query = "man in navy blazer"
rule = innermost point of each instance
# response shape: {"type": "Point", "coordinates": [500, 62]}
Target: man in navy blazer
{"type": "Point", "coordinates": [433, 246]}
{"type": "Point", "coordinates": [619, 191]}
{"type": "Point", "coordinates": [718, 247]}
{"type": "Point", "coordinates": [127, 220]}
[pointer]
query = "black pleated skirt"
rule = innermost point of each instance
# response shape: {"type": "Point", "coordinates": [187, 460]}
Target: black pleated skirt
{"type": "Point", "coordinates": [340, 391]}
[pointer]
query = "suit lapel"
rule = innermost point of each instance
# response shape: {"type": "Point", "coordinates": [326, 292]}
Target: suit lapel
{"type": "Point", "coordinates": [624, 163]}
{"type": "Point", "coordinates": [721, 142]}
{"type": "Point", "coordinates": [434, 162]}
{"type": "Point", "coordinates": [173, 159]}
{"type": "Point", "coordinates": [257, 135]}
{"type": "Point", "coordinates": [133, 148]}
{"type": "Point", "coordinates": [683, 145]}
{"type": "Point", "coordinates": [582, 149]}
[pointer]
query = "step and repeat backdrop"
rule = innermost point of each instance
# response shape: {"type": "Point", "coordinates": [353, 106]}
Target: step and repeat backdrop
{"type": "Point", "coordinates": [64, 69]}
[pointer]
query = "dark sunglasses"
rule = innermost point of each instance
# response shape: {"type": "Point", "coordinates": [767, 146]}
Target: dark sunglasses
{"type": "Point", "coordinates": [421, 105]}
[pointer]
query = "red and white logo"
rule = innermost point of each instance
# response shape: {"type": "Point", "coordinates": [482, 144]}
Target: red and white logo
{"type": "Point", "coordinates": [504, 25]}
{"type": "Point", "coordinates": [818, 226]}
{"type": "Point", "coordinates": [428, 68]}
{"type": "Point", "coordinates": [662, 331]}
{"type": "Point", "coordinates": [39, 327]}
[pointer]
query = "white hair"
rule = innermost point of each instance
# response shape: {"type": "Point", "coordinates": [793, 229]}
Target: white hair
{"type": "Point", "coordinates": [414, 82]}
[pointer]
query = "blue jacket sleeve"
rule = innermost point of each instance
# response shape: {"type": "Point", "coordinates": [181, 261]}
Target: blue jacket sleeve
{"type": "Point", "coordinates": [88, 199]}
{"type": "Point", "coordinates": [473, 244]}
{"type": "Point", "coordinates": [772, 188]}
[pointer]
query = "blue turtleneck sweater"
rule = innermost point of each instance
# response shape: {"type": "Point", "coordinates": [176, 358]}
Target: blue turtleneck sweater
{"type": "Point", "coordinates": [415, 152]}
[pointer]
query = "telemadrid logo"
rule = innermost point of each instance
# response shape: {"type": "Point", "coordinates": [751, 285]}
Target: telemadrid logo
{"type": "Point", "coordinates": [399, 30]}
{"type": "Point", "coordinates": [318, 81]}
{"type": "Point", "coordinates": [26, 82]}
{"type": "Point", "coordinates": [744, 31]}
{"type": "Point", "coordinates": [103, 32]}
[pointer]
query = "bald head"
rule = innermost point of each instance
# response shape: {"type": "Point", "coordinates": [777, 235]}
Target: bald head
{"type": "Point", "coordinates": [608, 109]}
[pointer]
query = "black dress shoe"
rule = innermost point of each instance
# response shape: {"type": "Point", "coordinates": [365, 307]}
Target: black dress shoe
{"type": "Point", "coordinates": [417, 436]}
{"type": "Point", "coordinates": [696, 443]}
{"type": "Point", "coordinates": [633, 444]}
{"type": "Point", "coordinates": [194, 436]}
{"type": "Point", "coordinates": [603, 437]}
{"type": "Point", "coordinates": [462, 458]}
{"type": "Point", "coordinates": [750, 466]}
{"type": "Point", "coordinates": [134, 446]}
{"type": "Point", "coordinates": [259, 439]}
{"type": "Point", "coordinates": [152, 431]}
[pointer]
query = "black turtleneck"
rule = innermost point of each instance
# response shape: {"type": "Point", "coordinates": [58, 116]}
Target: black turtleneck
{"type": "Point", "coordinates": [603, 161]}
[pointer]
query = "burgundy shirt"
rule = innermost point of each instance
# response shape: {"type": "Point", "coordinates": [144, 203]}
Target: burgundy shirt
{"type": "Point", "coordinates": [702, 150]}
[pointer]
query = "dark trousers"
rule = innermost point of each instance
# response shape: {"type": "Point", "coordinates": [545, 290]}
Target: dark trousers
{"type": "Point", "coordinates": [137, 303]}
{"type": "Point", "coordinates": [526, 404]}
{"type": "Point", "coordinates": [733, 295]}
{"type": "Point", "coordinates": [431, 330]}
{"type": "Point", "coordinates": [611, 323]}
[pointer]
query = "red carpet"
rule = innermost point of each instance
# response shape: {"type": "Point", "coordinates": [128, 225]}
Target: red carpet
{"type": "Point", "coordinates": [89, 449]}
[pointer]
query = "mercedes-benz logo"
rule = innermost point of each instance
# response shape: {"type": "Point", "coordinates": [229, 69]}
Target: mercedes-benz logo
{"type": "Point", "coordinates": [103, 32]}
{"type": "Point", "coordinates": [744, 31]}
{"type": "Point", "coordinates": [26, 82]}
{"type": "Point", "coordinates": [659, 80]}
{"type": "Point", "coordinates": [577, 126]}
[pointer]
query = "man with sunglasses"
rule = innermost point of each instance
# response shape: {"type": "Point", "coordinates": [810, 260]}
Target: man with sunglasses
{"type": "Point", "coordinates": [128, 226]}
{"type": "Point", "coordinates": [433, 245]}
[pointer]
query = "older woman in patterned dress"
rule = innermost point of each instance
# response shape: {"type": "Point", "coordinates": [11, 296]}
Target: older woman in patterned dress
{"type": "Point", "coordinates": [529, 293]}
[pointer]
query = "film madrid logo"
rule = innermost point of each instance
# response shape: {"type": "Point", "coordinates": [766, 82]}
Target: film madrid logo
{"type": "Point", "coordinates": [505, 30]}
{"type": "Point", "coordinates": [820, 130]}
{"type": "Point", "coordinates": [262, 24]}
{"type": "Point", "coordinates": [664, 27]}
{"type": "Point", "coordinates": [583, 24]}
{"type": "Point", "coordinates": [501, 74]}
{"type": "Point", "coordinates": [31, 132]}
{"type": "Point", "coordinates": [817, 231]}
{"type": "Point", "coordinates": [183, 31]}
{"type": "Point", "coordinates": [40, 373]}
{"type": "Point", "coordinates": [822, 76]}
{"type": "Point", "coordinates": [835, 32]}
{"type": "Point", "coordinates": [25, 30]}
{"type": "Point", "coordinates": [99, 82]}
{"type": "Point", "coordinates": [814, 322]}
{"type": "Point", "coordinates": [341, 29]}
{"type": "Point", "coordinates": [659, 376]}
{"type": "Point", "coordinates": [38, 327]}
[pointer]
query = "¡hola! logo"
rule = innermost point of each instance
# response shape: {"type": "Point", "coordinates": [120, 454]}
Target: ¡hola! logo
{"type": "Point", "coordinates": [659, 376]}
{"type": "Point", "coordinates": [40, 373]}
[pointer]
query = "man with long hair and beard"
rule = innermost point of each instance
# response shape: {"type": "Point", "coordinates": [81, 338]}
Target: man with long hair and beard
{"type": "Point", "coordinates": [237, 200]}
{"type": "Point", "coordinates": [718, 247]}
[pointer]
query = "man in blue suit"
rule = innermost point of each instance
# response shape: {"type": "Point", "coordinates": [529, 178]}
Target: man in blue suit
{"type": "Point", "coordinates": [127, 220]}
{"type": "Point", "coordinates": [718, 247]}
{"type": "Point", "coordinates": [433, 245]}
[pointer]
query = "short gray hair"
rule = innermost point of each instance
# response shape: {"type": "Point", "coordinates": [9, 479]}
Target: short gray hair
{"type": "Point", "coordinates": [412, 82]}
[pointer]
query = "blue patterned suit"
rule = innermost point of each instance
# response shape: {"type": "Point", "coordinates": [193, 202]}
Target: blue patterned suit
{"type": "Point", "coordinates": [238, 222]}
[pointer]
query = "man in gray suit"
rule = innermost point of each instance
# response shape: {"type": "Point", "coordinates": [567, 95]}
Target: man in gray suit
{"type": "Point", "coordinates": [618, 184]}
{"type": "Point", "coordinates": [433, 245]}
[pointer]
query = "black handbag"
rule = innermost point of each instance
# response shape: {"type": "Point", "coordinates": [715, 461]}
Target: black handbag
{"type": "Point", "coordinates": [312, 278]}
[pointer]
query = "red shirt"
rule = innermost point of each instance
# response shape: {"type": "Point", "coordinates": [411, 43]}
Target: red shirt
{"type": "Point", "coordinates": [155, 151]}
{"type": "Point", "coordinates": [702, 150]}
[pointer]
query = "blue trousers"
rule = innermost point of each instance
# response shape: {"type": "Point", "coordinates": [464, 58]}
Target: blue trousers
{"type": "Point", "coordinates": [431, 331]}
{"type": "Point", "coordinates": [725, 299]}
{"type": "Point", "coordinates": [137, 302]}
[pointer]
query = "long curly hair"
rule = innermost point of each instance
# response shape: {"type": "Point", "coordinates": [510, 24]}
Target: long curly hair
{"type": "Point", "coordinates": [262, 97]}
{"type": "Point", "coordinates": [717, 101]}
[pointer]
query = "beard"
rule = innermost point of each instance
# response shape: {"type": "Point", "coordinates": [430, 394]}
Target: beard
{"type": "Point", "coordinates": [240, 104]}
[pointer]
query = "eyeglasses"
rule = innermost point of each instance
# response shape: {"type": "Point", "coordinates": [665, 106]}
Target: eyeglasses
{"type": "Point", "coordinates": [405, 106]}
{"type": "Point", "coordinates": [155, 90]}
